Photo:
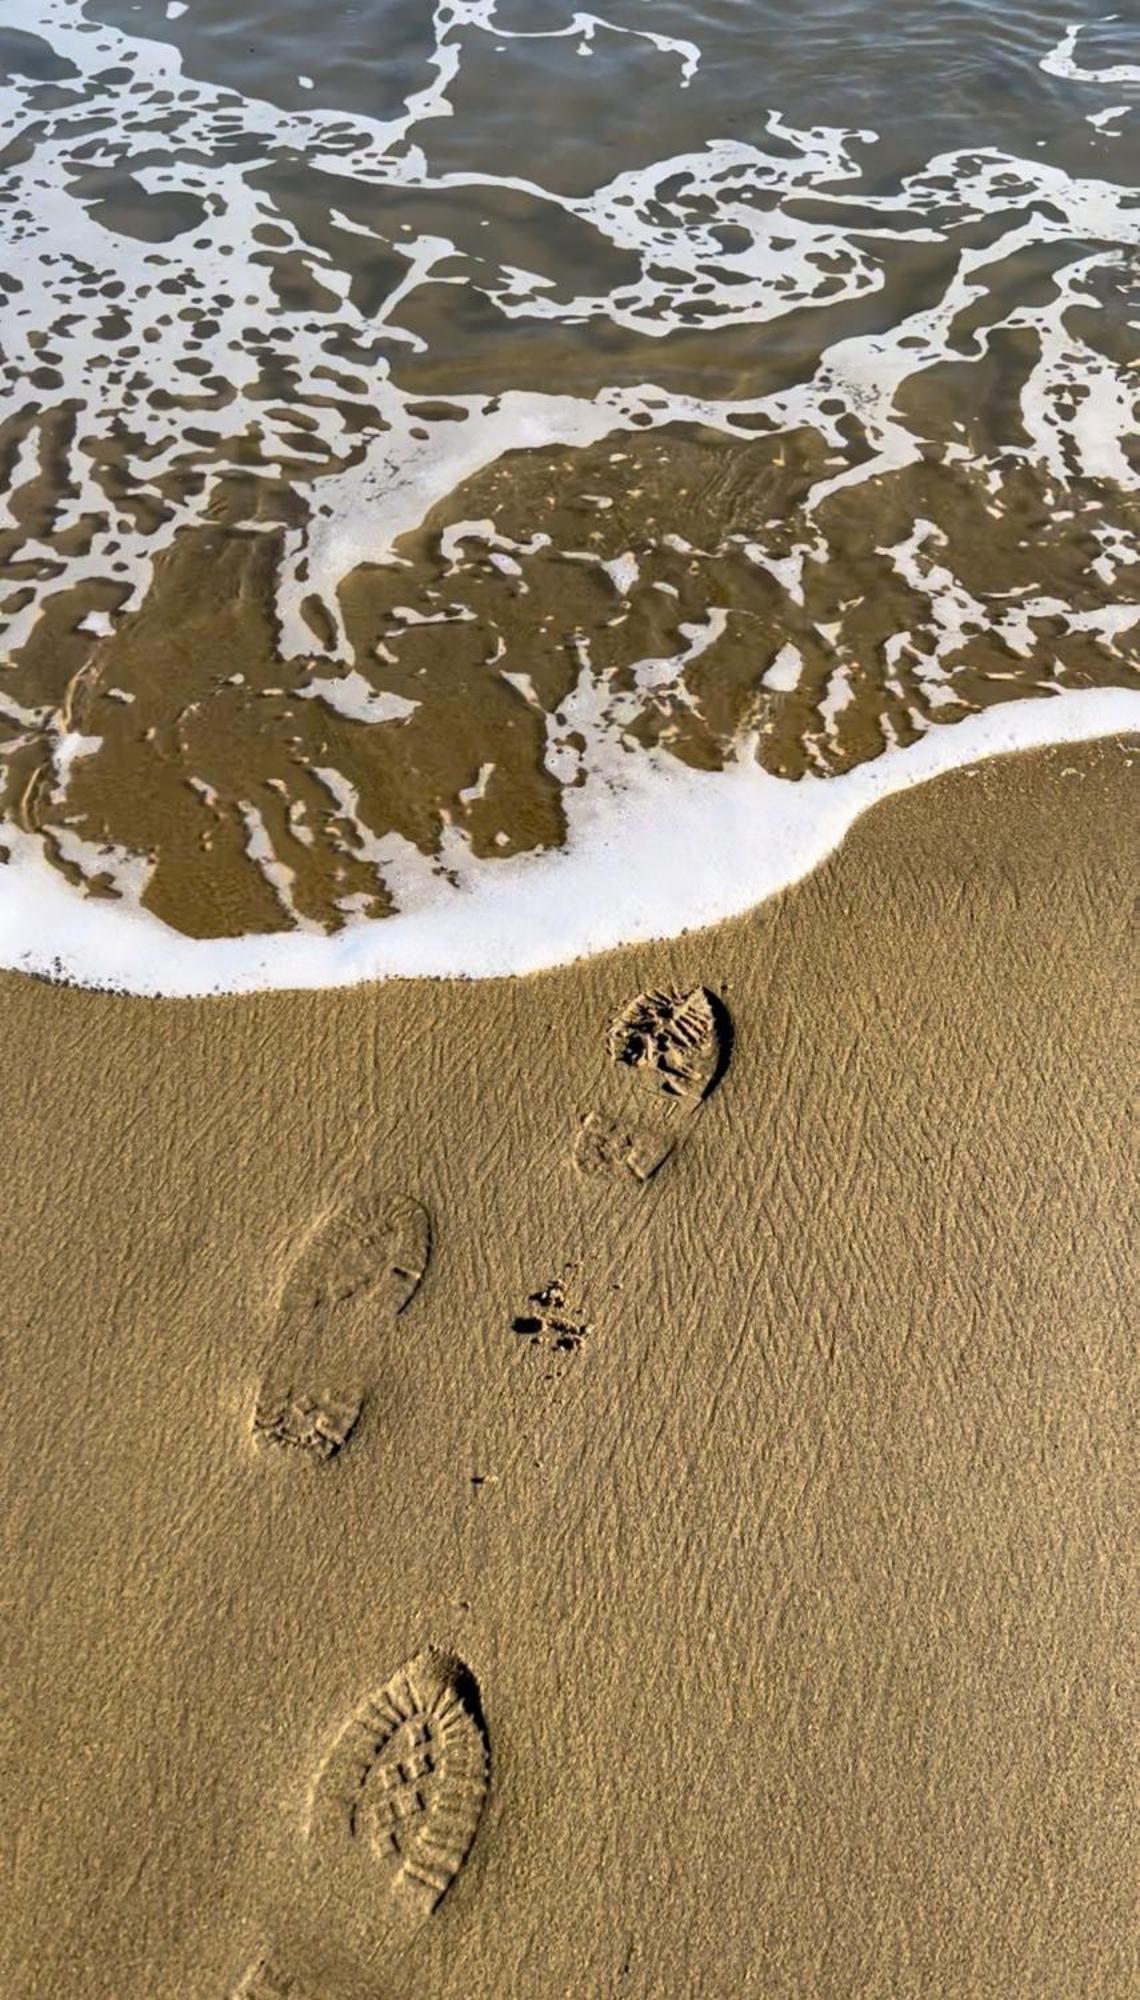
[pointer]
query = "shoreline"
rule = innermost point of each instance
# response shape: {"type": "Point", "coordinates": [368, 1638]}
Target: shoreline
{"type": "Point", "coordinates": [794, 1593]}
{"type": "Point", "coordinates": [694, 848]}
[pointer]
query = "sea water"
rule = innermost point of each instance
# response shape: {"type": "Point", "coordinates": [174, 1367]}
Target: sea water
{"type": "Point", "coordinates": [486, 482]}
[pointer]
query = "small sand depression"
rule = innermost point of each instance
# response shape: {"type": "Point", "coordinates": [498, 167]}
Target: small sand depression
{"type": "Point", "coordinates": [548, 1319]}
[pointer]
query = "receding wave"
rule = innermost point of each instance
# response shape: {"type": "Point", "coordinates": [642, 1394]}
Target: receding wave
{"type": "Point", "coordinates": [412, 565]}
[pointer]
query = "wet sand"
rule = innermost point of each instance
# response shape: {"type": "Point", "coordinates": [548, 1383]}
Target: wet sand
{"type": "Point", "coordinates": [792, 1577]}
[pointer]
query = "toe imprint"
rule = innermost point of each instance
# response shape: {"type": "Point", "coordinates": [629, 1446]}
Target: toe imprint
{"type": "Point", "coordinates": [365, 1252]}
{"type": "Point", "coordinates": [403, 1785]}
{"type": "Point", "coordinates": [673, 1039]}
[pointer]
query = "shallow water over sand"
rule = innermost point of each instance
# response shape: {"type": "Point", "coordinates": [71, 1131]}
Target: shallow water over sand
{"type": "Point", "coordinates": [482, 484]}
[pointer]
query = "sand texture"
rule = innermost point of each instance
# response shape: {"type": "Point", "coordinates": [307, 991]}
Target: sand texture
{"type": "Point", "coordinates": [481, 1524]}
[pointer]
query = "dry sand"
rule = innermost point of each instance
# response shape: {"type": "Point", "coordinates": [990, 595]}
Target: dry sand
{"type": "Point", "coordinates": [795, 1593]}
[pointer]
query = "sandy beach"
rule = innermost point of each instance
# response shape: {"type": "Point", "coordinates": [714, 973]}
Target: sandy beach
{"type": "Point", "coordinates": [569, 712]}
{"type": "Point", "coordinates": [787, 1545]}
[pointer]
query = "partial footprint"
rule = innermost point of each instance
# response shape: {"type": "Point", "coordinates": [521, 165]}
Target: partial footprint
{"type": "Point", "coordinates": [392, 1816]}
{"type": "Point", "coordinates": [669, 1051]}
{"type": "Point", "coordinates": [266, 1981]}
{"type": "Point", "coordinates": [358, 1269]}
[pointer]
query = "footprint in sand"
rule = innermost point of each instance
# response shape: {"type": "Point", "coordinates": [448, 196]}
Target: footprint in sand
{"type": "Point", "coordinates": [361, 1265]}
{"type": "Point", "coordinates": [392, 1815]}
{"type": "Point", "coordinates": [669, 1051]}
{"type": "Point", "coordinates": [403, 1785]}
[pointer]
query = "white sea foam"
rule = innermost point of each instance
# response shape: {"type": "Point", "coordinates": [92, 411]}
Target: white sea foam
{"type": "Point", "coordinates": [673, 848]}
{"type": "Point", "coordinates": [355, 698]}
{"type": "Point", "coordinates": [1062, 61]}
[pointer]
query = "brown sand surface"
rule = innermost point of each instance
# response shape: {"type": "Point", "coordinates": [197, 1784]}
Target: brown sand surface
{"type": "Point", "coordinates": [796, 1593]}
